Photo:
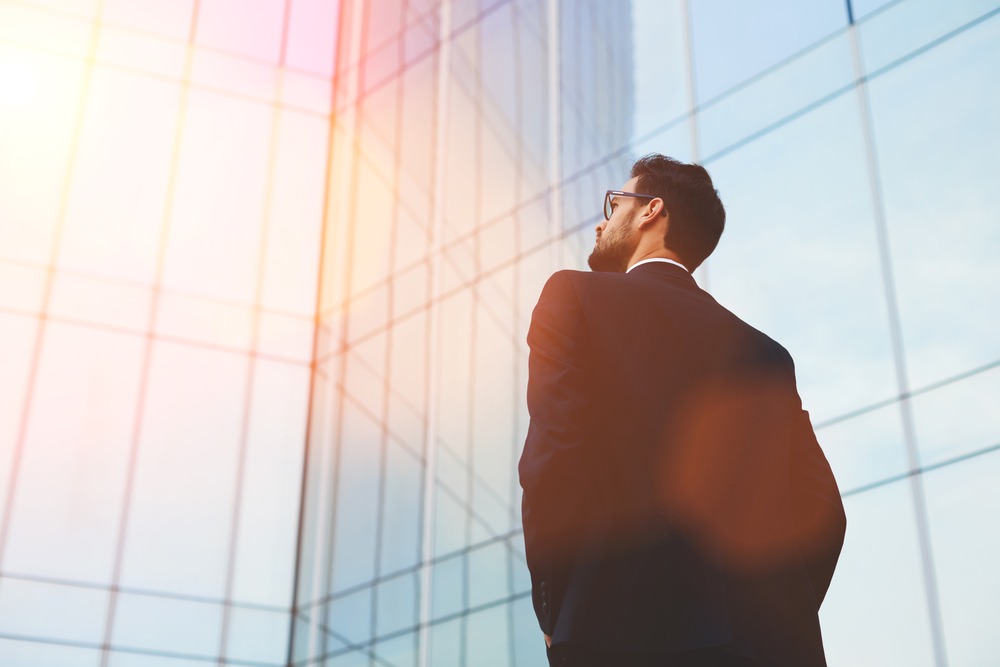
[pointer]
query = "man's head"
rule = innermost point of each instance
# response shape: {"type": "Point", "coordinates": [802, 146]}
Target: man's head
{"type": "Point", "coordinates": [681, 217]}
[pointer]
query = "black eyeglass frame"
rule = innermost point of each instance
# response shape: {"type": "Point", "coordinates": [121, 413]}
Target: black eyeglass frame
{"type": "Point", "coordinates": [621, 193]}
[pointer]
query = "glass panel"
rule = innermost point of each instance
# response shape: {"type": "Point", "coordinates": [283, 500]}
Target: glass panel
{"type": "Point", "coordinates": [305, 93]}
{"type": "Point", "coordinates": [312, 36]}
{"type": "Point", "coordinates": [522, 578]}
{"type": "Point", "coordinates": [22, 287]}
{"type": "Point", "coordinates": [401, 510]}
{"type": "Point", "coordinates": [290, 338]}
{"type": "Point", "coordinates": [446, 644]}
{"type": "Point", "coordinates": [181, 518]}
{"type": "Point", "coordinates": [115, 213]}
{"type": "Point", "coordinates": [366, 375]}
{"type": "Point", "coordinates": [200, 320]}
{"type": "Point", "coordinates": [826, 69]}
{"type": "Point", "coordinates": [528, 643]}
{"type": "Point", "coordinates": [350, 617]}
{"type": "Point", "coordinates": [126, 659]}
{"type": "Point", "coordinates": [70, 484]}
{"type": "Point", "coordinates": [488, 637]}
{"type": "Point", "coordinates": [963, 504]}
{"type": "Point", "coordinates": [660, 64]}
{"type": "Point", "coordinates": [167, 18]}
{"type": "Point", "coordinates": [879, 565]}
{"type": "Point", "coordinates": [454, 402]}
{"type": "Point", "coordinates": [38, 654]}
{"type": "Point", "coordinates": [223, 157]}
{"type": "Point", "coordinates": [799, 259]}
{"type": "Point", "coordinates": [447, 584]}
{"type": "Point", "coordinates": [493, 405]}
{"type": "Point", "coordinates": [257, 34]}
{"type": "Point", "coordinates": [63, 33]}
{"type": "Point", "coordinates": [908, 26]}
{"type": "Point", "coordinates": [735, 39]}
{"type": "Point", "coordinates": [102, 302]}
{"type": "Point", "coordinates": [52, 611]}
{"type": "Point", "coordinates": [295, 214]}
{"type": "Point", "coordinates": [357, 500]}
{"type": "Point", "coordinates": [450, 520]}
{"type": "Point", "coordinates": [371, 249]}
{"type": "Point", "coordinates": [459, 206]}
{"type": "Point", "coordinates": [350, 658]}
{"type": "Point", "coordinates": [18, 335]}
{"type": "Point", "coordinates": [134, 51]}
{"type": "Point", "coordinates": [958, 418]}
{"type": "Point", "coordinates": [937, 144]}
{"type": "Point", "coordinates": [257, 635]}
{"type": "Point", "coordinates": [488, 567]}
{"type": "Point", "coordinates": [37, 118]}
{"type": "Point", "coordinates": [863, 8]}
{"type": "Point", "coordinates": [397, 604]}
{"type": "Point", "coordinates": [272, 473]}
{"type": "Point", "coordinates": [162, 624]}
{"type": "Point", "coordinates": [865, 449]}
{"type": "Point", "coordinates": [399, 652]}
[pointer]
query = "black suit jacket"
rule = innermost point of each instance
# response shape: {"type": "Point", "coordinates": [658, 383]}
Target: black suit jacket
{"type": "Point", "coordinates": [675, 496]}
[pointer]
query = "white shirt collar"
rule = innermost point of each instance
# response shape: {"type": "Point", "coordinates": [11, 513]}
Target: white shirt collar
{"type": "Point", "coordinates": [656, 259]}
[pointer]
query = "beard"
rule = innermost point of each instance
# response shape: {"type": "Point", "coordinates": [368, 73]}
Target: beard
{"type": "Point", "coordinates": [614, 249]}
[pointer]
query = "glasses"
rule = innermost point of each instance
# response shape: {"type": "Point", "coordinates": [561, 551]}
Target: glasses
{"type": "Point", "coordinates": [618, 193]}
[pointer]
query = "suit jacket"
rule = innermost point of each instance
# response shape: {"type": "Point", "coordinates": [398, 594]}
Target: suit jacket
{"type": "Point", "coordinates": [675, 496]}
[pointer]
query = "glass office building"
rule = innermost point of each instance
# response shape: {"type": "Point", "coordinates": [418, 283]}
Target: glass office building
{"type": "Point", "coordinates": [266, 271]}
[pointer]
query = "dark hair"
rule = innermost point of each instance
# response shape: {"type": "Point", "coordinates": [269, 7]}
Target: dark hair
{"type": "Point", "coordinates": [697, 216]}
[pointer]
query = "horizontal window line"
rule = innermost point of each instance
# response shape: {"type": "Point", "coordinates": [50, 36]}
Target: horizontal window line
{"type": "Point", "coordinates": [910, 394]}
{"type": "Point", "coordinates": [179, 340]}
{"type": "Point", "coordinates": [129, 590]}
{"type": "Point", "coordinates": [921, 470]}
{"type": "Point", "coordinates": [137, 651]}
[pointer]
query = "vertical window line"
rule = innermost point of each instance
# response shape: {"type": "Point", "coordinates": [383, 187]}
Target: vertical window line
{"type": "Point", "coordinates": [318, 328]}
{"type": "Point", "coordinates": [555, 131]}
{"type": "Point", "coordinates": [272, 151]}
{"type": "Point", "coordinates": [50, 271]}
{"type": "Point", "coordinates": [899, 355]}
{"type": "Point", "coordinates": [436, 281]}
{"type": "Point", "coordinates": [144, 372]}
{"type": "Point", "coordinates": [692, 90]}
{"type": "Point", "coordinates": [384, 440]}
{"type": "Point", "coordinates": [516, 319]}
{"type": "Point", "coordinates": [317, 629]}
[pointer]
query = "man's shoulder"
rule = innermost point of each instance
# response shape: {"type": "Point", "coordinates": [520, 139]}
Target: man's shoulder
{"type": "Point", "coordinates": [584, 279]}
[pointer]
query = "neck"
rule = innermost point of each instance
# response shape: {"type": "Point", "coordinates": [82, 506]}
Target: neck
{"type": "Point", "coordinates": [650, 253]}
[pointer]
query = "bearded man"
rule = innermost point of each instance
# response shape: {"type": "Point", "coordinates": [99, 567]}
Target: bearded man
{"type": "Point", "coordinates": [677, 507]}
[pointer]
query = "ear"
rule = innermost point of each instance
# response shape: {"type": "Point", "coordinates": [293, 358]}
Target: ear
{"type": "Point", "coordinates": [653, 211]}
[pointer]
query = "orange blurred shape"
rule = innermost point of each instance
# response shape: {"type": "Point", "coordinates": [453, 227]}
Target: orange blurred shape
{"type": "Point", "coordinates": [724, 473]}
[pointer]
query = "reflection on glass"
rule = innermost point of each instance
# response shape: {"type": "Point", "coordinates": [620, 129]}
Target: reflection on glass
{"type": "Point", "coordinates": [733, 40]}
{"type": "Point", "coordinates": [937, 146]}
{"type": "Point", "coordinates": [159, 624]}
{"type": "Point", "coordinates": [62, 527]}
{"type": "Point", "coordinates": [875, 612]}
{"type": "Point", "coordinates": [865, 449]}
{"type": "Point", "coordinates": [799, 259]}
{"type": "Point", "coordinates": [181, 514]}
{"type": "Point", "coordinates": [962, 502]}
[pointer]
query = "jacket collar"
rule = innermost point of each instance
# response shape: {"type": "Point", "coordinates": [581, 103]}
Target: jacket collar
{"type": "Point", "coordinates": [665, 269]}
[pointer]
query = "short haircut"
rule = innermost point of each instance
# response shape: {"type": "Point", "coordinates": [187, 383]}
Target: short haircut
{"type": "Point", "coordinates": [697, 216]}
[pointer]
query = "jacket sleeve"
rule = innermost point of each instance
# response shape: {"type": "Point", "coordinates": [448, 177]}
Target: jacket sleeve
{"type": "Point", "coordinates": [817, 507]}
{"type": "Point", "coordinates": [552, 466]}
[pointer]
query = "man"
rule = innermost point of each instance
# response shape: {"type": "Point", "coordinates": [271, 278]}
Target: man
{"type": "Point", "coordinates": [677, 507]}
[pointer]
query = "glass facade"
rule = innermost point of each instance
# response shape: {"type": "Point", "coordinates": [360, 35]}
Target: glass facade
{"type": "Point", "coordinates": [266, 271]}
